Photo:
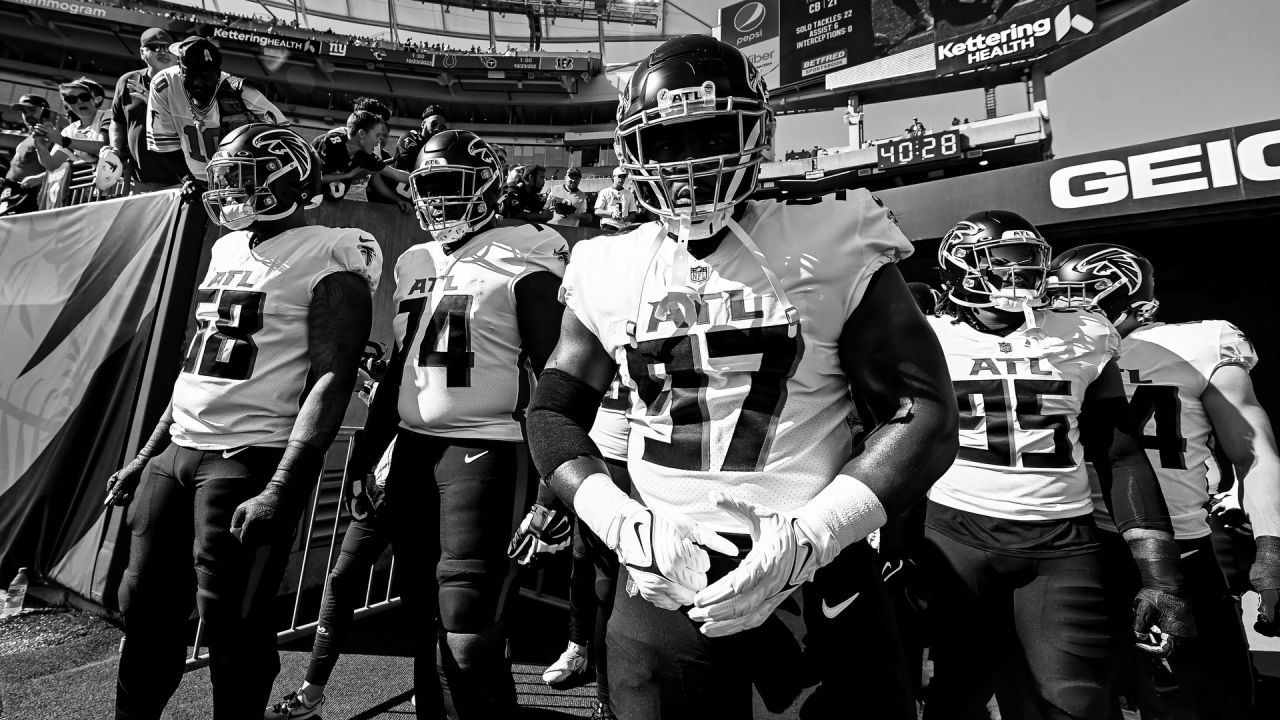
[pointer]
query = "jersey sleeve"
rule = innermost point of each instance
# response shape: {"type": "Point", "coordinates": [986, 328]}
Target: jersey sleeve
{"type": "Point", "coordinates": [162, 130]}
{"type": "Point", "coordinates": [353, 251]}
{"type": "Point", "coordinates": [875, 241]}
{"type": "Point", "coordinates": [1234, 348]}
{"type": "Point", "coordinates": [406, 152]}
{"type": "Point", "coordinates": [260, 106]}
{"type": "Point", "coordinates": [550, 254]}
{"type": "Point", "coordinates": [576, 275]}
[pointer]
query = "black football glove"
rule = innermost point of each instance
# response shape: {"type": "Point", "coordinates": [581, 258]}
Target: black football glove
{"type": "Point", "coordinates": [265, 518]}
{"type": "Point", "coordinates": [364, 497]}
{"type": "Point", "coordinates": [123, 482]}
{"type": "Point", "coordinates": [542, 532]}
{"type": "Point", "coordinates": [193, 190]}
{"type": "Point", "coordinates": [374, 360]}
{"type": "Point", "coordinates": [1265, 576]}
{"type": "Point", "coordinates": [565, 209]}
{"type": "Point", "coordinates": [1226, 506]}
{"type": "Point", "coordinates": [1161, 614]}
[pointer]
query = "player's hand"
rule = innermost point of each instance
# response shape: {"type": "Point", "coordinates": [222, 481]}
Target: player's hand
{"type": "Point", "coordinates": [785, 554]}
{"type": "Point", "coordinates": [32, 181]}
{"type": "Point", "coordinates": [1226, 506]}
{"type": "Point", "coordinates": [122, 483]}
{"type": "Point", "coordinates": [193, 190]}
{"type": "Point", "coordinates": [1265, 577]}
{"type": "Point", "coordinates": [263, 519]}
{"type": "Point", "coordinates": [364, 497]}
{"type": "Point", "coordinates": [369, 161]}
{"type": "Point", "coordinates": [542, 532]}
{"type": "Point", "coordinates": [666, 555]}
{"type": "Point", "coordinates": [1161, 621]}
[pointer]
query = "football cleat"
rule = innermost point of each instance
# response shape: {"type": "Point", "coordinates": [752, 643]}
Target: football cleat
{"type": "Point", "coordinates": [294, 706]}
{"type": "Point", "coordinates": [571, 663]}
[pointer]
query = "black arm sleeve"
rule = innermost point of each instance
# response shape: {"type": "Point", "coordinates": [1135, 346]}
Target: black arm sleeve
{"type": "Point", "coordinates": [559, 420]}
{"type": "Point", "coordinates": [383, 419]}
{"type": "Point", "coordinates": [538, 312]}
{"type": "Point", "coordinates": [1110, 439]}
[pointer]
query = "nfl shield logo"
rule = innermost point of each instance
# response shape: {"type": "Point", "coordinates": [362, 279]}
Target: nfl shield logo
{"type": "Point", "coordinates": [1006, 347]}
{"type": "Point", "coordinates": [699, 274]}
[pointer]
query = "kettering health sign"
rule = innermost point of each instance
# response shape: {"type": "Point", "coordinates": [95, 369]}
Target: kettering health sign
{"type": "Point", "coordinates": [793, 40]}
{"type": "Point", "coordinates": [1015, 36]}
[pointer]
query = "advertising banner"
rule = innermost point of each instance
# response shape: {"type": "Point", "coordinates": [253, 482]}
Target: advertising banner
{"type": "Point", "coordinates": [822, 36]}
{"type": "Point", "coordinates": [965, 39]}
{"type": "Point", "coordinates": [76, 307]}
{"type": "Point", "coordinates": [1229, 165]}
{"type": "Point", "coordinates": [752, 27]}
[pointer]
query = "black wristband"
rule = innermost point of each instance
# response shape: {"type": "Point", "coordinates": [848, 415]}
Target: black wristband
{"type": "Point", "coordinates": [1157, 561]}
{"type": "Point", "coordinates": [1265, 573]}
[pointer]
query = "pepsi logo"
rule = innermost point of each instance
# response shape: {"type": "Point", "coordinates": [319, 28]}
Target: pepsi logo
{"type": "Point", "coordinates": [749, 17]}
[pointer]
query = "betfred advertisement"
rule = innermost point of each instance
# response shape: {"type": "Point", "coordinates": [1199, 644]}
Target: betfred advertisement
{"type": "Point", "coordinates": [1027, 30]}
{"type": "Point", "coordinates": [752, 27]}
{"type": "Point", "coordinates": [822, 36]}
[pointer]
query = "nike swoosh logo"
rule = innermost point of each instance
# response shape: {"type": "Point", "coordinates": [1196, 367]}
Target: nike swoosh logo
{"type": "Point", "coordinates": [1188, 553]}
{"type": "Point", "coordinates": [831, 611]}
{"type": "Point", "coordinates": [894, 571]}
{"type": "Point", "coordinates": [472, 458]}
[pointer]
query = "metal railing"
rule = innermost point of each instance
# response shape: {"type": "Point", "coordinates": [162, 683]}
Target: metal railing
{"type": "Point", "coordinates": [72, 184]}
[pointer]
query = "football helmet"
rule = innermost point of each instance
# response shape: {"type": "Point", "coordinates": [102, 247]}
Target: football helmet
{"type": "Point", "coordinates": [1110, 279]}
{"type": "Point", "coordinates": [996, 259]}
{"type": "Point", "coordinates": [699, 87]}
{"type": "Point", "coordinates": [261, 172]}
{"type": "Point", "coordinates": [455, 184]}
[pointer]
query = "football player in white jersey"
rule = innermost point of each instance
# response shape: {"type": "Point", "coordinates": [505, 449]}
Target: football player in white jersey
{"type": "Point", "coordinates": [740, 328]}
{"type": "Point", "coordinates": [282, 317]}
{"type": "Point", "coordinates": [1011, 558]}
{"type": "Point", "coordinates": [477, 317]}
{"type": "Point", "coordinates": [193, 105]}
{"type": "Point", "coordinates": [1186, 383]}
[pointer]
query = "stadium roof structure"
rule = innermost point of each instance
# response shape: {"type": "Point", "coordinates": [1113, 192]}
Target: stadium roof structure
{"type": "Point", "coordinates": [565, 25]}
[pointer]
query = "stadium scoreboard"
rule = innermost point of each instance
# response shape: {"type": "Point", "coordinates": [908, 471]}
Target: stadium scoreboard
{"type": "Point", "coordinates": [919, 149]}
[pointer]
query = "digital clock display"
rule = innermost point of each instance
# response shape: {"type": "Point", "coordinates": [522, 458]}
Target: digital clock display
{"type": "Point", "coordinates": [919, 149]}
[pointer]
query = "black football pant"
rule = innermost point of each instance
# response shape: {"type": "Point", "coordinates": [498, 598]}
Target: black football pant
{"type": "Point", "coordinates": [1213, 670]}
{"type": "Point", "coordinates": [181, 551]}
{"type": "Point", "coordinates": [452, 505]}
{"type": "Point", "coordinates": [362, 545]}
{"type": "Point", "coordinates": [831, 649]}
{"type": "Point", "coordinates": [987, 611]}
{"type": "Point", "coordinates": [592, 586]}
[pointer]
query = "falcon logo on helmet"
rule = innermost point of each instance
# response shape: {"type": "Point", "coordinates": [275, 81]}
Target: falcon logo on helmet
{"type": "Point", "coordinates": [260, 173]}
{"type": "Point", "coordinates": [1109, 279]}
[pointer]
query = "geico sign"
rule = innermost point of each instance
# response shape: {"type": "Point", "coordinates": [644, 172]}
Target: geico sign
{"type": "Point", "coordinates": [1208, 165]}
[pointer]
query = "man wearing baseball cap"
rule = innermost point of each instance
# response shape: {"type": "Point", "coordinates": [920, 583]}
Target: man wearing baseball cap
{"type": "Point", "coordinates": [127, 148]}
{"type": "Point", "coordinates": [615, 205]}
{"type": "Point", "coordinates": [194, 105]}
{"type": "Point", "coordinates": [21, 186]}
{"type": "Point", "coordinates": [433, 121]}
{"type": "Point", "coordinates": [567, 202]}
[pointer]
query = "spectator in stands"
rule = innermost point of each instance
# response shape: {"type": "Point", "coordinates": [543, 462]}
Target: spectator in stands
{"type": "Point", "coordinates": [193, 105]}
{"type": "Point", "coordinates": [917, 128]}
{"type": "Point", "coordinates": [966, 121]}
{"type": "Point", "coordinates": [84, 137]}
{"type": "Point", "coordinates": [348, 155]}
{"type": "Point", "coordinates": [381, 190]}
{"type": "Point", "coordinates": [955, 121]}
{"type": "Point", "coordinates": [128, 131]}
{"type": "Point", "coordinates": [521, 198]}
{"type": "Point", "coordinates": [26, 174]}
{"type": "Point", "coordinates": [615, 205]}
{"type": "Point", "coordinates": [567, 202]}
{"type": "Point", "coordinates": [433, 121]}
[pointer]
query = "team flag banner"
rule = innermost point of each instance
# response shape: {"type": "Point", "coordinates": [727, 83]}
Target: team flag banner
{"type": "Point", "coordinates": [79, 293]}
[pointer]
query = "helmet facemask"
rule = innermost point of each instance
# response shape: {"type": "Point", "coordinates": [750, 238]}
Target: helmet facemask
{"type": "Point", "coordinates": [238, 198]}
{"type": "Point", "coordinates": [451, 200]}
{"type": "Point", "coordinates": [704, 189]}
{"type": "Point", "coordinates": [1008, 274]}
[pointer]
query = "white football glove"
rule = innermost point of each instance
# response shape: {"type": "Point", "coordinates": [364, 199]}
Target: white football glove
{"type": "Point", "coordinates": [786, 552]}
{"type": "Point", "coordinates": [666, 555]}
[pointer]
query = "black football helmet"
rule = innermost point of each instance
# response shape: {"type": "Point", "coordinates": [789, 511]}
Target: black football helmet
{"type": "Point", "coordinates": [261, 172]}
{"type": "Point", "coordinates": [455, 184]}
{"type": "Point", "coordinates": [994, 258]}
{"type": "Point", "coordinates": [1110, 279]}
{"type": "Point", "coordinates": [705, 87]}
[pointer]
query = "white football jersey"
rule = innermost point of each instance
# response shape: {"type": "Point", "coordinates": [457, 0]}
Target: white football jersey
{"type": "Point", "coordinates": [609, 432]}
{"type": "Point", "coordinates": [465, 375]}
{"type": "Point", "coordinates": [1166, 370]}
{"type": "Point", "coordinates": [1020, 396]}
{"type": "Point", "coordinates": [740, 397]}
{"type": "Point", "coordinates": [245, 373]}
{"type": "Point", "coordinates": [172, 124]}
